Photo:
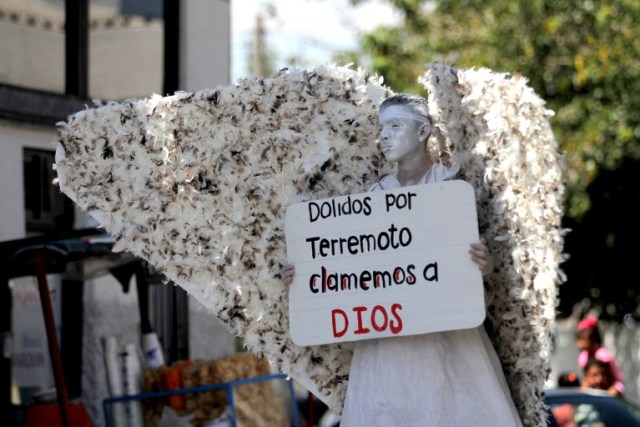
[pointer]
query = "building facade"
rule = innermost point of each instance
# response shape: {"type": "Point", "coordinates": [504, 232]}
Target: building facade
{"type": "Point", "coordinates": [57, 57]}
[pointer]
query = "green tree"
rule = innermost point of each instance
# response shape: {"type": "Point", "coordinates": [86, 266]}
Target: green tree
{"type": "Point", "coordinates": [581, 56]}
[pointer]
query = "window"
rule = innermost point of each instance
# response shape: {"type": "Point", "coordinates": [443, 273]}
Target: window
{"type": "Point", "coordinates": [46, 208]}
{"type": "Point", "coordinates": [61, 53]}
{"type": "Point", "coordinates": [125, 48]}
{"type": "Point", "coordinates": [32, 34]}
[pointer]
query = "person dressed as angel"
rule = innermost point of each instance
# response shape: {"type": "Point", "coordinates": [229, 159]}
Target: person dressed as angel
{"type": "Point", "coordinates": [451, 378]}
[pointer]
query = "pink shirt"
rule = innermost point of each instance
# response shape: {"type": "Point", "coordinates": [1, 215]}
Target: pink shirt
{"type": "Point", "coordinates": [604, 355]}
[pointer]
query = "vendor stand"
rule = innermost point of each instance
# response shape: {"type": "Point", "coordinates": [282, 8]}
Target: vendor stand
{"type": "Point", "coordinates": [77, 258]}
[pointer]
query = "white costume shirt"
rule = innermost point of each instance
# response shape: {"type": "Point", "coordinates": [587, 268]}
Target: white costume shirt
{"type": "Point", "coordinates": [451, 379]}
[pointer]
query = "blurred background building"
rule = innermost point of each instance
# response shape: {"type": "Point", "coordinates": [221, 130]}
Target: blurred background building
{"type": "Point", "coordinates": [55, 58]}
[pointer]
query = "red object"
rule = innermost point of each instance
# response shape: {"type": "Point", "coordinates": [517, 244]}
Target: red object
{"type": "Point", "coordinates": [311, 416]}
{"type": "Point", "coordinates": [172, 380]}
{"type": "Point", "coordinates": [48, 415]}
{"type": "Point", "coordinates": [564, 415]}
{"type": "Point", "coordinates": [52, 339]}
{"type": "Point", "coordinates": [587, 322]}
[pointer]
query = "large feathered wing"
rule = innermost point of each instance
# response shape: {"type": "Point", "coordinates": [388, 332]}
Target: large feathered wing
{"type": "Point", "coordinates": [197, 184]}
{"type": "Point", "coordinates": [497, 130]}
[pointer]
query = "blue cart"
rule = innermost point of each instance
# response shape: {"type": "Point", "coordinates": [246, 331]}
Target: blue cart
{"type": "Point", "coordinates": [228, 387]}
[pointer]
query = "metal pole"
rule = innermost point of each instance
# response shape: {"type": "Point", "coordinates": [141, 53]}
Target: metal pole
{"type": "Point", "coordinates": [54, 350]}
{"type": "Point", "coordinates": [171, 16]}
{"type": "Point", "coordinates": [77, 48]}
{"type": "Point", "coordinates": [6, 306]}
{"type": "Point", "coordinates": [231, 403]}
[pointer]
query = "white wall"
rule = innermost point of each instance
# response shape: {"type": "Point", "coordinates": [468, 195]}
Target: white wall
{"type": "Point", "coordinates": [208, 338]}
{"type": "Point", "coordinates": [205, 46]}
{"type": "Point", "coordinates": [29, 48]}
{"type": "Point", "coordinates": [126, 62]}
{"type": "Point", "coordinates": [107, 312]}
{"type": "Point", "coordinates": [624, 342]}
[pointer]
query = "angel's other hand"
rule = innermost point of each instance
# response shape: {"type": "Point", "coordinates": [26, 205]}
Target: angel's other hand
{"type": "Point", "coordinates": [481, 256]}
{"type": "Point", "coordinates": [287, 273]}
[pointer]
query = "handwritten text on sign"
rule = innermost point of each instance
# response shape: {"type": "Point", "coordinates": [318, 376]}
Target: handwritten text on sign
{"type": "Point", "coordinates": [383, 264]}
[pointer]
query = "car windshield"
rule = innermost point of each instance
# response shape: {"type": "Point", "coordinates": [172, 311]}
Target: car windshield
{"type": "Point", "coordinates": [593, 411]}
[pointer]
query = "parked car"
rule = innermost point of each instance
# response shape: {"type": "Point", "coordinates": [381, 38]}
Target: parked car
{"type": "Point", "coordinates": [577, 407]}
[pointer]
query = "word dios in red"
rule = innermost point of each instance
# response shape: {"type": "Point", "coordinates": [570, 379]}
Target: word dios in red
{"type": "Point", "coordinates": [380, 319]}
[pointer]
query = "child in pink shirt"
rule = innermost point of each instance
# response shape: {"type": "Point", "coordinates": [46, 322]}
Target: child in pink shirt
{"type": "Point", "coordinates": [589, 341]}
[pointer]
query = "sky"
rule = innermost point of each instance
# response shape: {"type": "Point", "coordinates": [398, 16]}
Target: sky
{"type": "Point", "coordinates": [312, 30]}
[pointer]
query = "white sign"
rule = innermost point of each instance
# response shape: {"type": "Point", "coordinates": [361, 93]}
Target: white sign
{"type": "Point", "coordinates": [31, 364]}
{"type": "Point", "coordinates": [384, 264]}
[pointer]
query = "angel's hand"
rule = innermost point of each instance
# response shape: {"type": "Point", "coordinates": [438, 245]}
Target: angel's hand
{"type": "Point", "coordinates": [287, 273]}
{"type": "Point", "coordinates": [481, 256]}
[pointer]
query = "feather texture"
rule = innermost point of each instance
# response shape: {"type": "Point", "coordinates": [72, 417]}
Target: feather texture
{"type": "Point", "coordinates": [497, 130]}
{"type": "Point", "coordinates": [197, 184]}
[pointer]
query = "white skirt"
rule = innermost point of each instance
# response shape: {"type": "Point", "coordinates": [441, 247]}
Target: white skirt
{"type": "Point", "coordinates": [439, 379]}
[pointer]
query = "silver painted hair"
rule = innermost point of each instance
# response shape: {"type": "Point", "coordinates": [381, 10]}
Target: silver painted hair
{"type": "Point", "coordinates": [417, 104]}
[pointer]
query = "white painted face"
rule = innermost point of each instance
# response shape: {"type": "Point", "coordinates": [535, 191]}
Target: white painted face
{"type": "Point", "coordinates": [400, 137]}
